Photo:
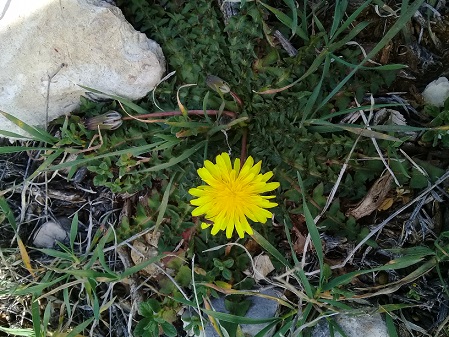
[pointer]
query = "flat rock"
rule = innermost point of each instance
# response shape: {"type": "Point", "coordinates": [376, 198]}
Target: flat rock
{"type": "Point", "coordinates": [73, 42]}
{"type": "Point", "coordinates": [260, 308]}
{"type": "Point", "coordinates": [354, 326]}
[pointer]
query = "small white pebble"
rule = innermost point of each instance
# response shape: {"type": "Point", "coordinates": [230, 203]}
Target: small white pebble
{"type": "Point", "coordinates": [437, 92]}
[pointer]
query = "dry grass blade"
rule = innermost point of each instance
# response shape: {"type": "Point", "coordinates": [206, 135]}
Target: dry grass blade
{"type": "Point", "coordinates": [25, 257]}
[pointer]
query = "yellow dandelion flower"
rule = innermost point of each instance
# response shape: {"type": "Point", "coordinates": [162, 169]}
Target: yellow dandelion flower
{"type": "Point", "coordinates": [232, 195]}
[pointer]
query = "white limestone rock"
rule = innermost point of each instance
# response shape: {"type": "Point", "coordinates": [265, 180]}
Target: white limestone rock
{"type": "Point", "coordinates": [91, 38]}
{"type": "Point", "coordinates": [437, 92]}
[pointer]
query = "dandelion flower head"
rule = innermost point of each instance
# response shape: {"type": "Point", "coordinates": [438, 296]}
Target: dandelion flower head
{"type": "Point", "coordinates": [232, 195]}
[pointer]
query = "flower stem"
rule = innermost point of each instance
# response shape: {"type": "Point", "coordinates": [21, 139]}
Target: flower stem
{"type": "Point", "coordinates": [244, 149]}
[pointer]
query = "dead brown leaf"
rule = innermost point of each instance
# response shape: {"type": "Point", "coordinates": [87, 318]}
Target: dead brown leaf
{"type": "Point", "coordinates": [374, 199]}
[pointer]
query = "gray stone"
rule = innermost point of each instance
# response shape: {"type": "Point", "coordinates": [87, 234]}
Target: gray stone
{"type": "Point", "coordinates": [74, 42]}
{"type": "Point", "coordinates": [49, 233]}
{"type": "Point", "coordinates": [354, 326]}
{"type": "Point", "coordinates": [260, 308]}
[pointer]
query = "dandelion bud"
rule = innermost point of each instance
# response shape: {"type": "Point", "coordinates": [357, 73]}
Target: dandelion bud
{"type": "Point", "coordinates": [111, 120]}
{"type": "Point", "coordinates": [217, 84]}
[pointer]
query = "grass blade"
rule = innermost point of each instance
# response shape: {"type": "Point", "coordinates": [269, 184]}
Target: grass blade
{"type": "Point", "coordinates": [238, 319]}
{"type": "Point", "coordinates": [313, 98]}
{"type": "Point", "coordinates": [294, 25]}
{"type": "Point", "coordinates": [73, 230]}
{"type": "Point", "coordinates": [13, 135]}
{"type": "Point", "coordinates": [270, 248]}
{"type": "Point", "coordinates": [13, 149]}
{"type": "Point", "coordinates": [287, 21]}
{"type": "Point", "coordinates": [350, 20]}
{"type": "Point", "coordinates": [36, 133]}
{"type": "Point", "coordinates": [8, 213]}
{"type": "Point", "coordinates": [44, 166]}
{"type": "Point", "coordinates": [174, 160]}
{"type": "Point", "coordinates": [25, 257]}
{"type": "Point", "coordinates": [163, 206]}
{"type": "Point", "coordinates": [18, 332]}
{"type": "Point", "coordinates": [311, 227]}
{"type": "Point", "coordinates": [80, 327]}
{"type": "Point", "coordinates": [396, 28]}
{"type": "Point", "coordinates": [340, 8]}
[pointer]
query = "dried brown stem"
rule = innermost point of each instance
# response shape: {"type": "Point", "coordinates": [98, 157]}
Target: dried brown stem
{"type": "Point", "coordinates": [243, 153]}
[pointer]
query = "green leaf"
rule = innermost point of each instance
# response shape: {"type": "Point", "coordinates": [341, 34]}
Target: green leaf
{"type": "Point", "coordinates": [13, 135]}
{"type": "Point", "coordinates": [8, 213]}
{"type": "Point", "coordinates": [149, 307]}
{"type": "Point", "coordinates": [352, 34]}
{"type": "Point", "coordinates": [294, 23]}
{"type": "Point", "coordinates": [163, 206]}
{"type": "Point", "coordinates": [184, 276]}
{"type": "Point", "coordinates": [13, 149]}
{"type": "Point", "coordinates": [226, 273]}
{"type": "Point", "coordinates": [350, 20]}
{"type": "Point", "coordinates": [228, 263]}
{"type": "Point", "coordinates": [122, 100]}
{"type": "Point", "coordinates": [36, 133]}
{"type": "Point", "coordinates": [286, 20]}
{"type": "Point", "coordinates": [35, 315]}
{"type": "Point", "coordinates": [18, 331]}
{"type": "Point", "coordinates": [169, 329]}
{"type": "Point", "coordinates": [399, 263]}
{"type": "Point", "coordinates": [80, 327]}
{"type": "Point", "coordinates": [47, 162]}
{"type": "Point", "coordinates": [313, 230]}
{"type": "Point", "coordinates": [392, 332]}
{"type": "Point", "coordinates": [73, 230]}
{"type": "Point", "coordinates": [239, 307]}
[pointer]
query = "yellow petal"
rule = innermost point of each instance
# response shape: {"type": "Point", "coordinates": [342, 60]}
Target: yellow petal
{"type": "Point", "coordinates": [205, 225]}
{"type": "Point", "coordinates": [224, 162]}
{"type": "Point", "coordinates": [237, 165]}
{"type": "Point", "coordinates": [206, 176]}
{"type": "Point", "coordinates": [246, 167]}
{"type": "Point", "coordinates": [256, 168]}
